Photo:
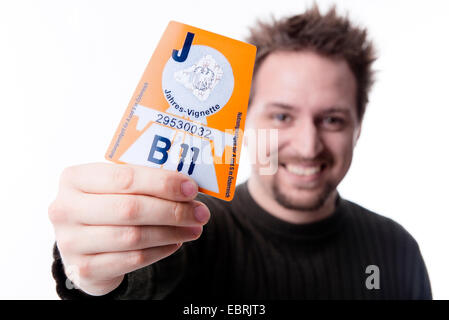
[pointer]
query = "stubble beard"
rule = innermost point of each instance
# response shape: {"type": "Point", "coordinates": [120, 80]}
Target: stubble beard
{"type": "Point", "coordinates": [297, 204]}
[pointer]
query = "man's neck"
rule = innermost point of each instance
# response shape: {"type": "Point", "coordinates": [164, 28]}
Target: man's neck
{"type": "Point", "coordinates": [266, 200]}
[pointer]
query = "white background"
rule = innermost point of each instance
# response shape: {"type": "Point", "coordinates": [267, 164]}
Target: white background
{"type": "Point", "coordinates": [68, 70]}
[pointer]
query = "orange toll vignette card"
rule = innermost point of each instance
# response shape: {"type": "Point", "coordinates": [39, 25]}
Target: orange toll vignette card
{"type": "Point", "coordinates": [188, 111]}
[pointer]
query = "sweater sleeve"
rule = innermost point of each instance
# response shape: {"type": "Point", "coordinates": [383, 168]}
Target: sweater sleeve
{"type": "Point", "coordinates": [137, 285]}
{"type": "Point", "coordinates": [414, 281]}
{"type": "Point", "coordinates": [65, 288]}
{"type": "Point", "coordinates": [420, 284]}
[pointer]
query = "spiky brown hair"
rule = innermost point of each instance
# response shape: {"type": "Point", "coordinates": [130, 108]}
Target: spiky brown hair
{"type": "Point", "coordinates": [327, 34]}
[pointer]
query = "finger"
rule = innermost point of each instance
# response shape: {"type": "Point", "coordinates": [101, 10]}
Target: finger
{"type": "Point", "coordinates": [131, 179]}
{"type": "Point", "coordinates": [102, 239]}
{"type": "Point", "coordinates": [113, 209]}
{"type": "Point", "coordinates": [104, 266]}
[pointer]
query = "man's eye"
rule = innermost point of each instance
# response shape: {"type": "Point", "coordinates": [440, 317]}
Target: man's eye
{"type": "Point", "coordinates": [281, 117]}
{"type": "Point", "coordinates": [333, 122]}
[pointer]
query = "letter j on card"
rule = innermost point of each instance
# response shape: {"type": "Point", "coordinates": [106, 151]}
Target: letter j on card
{"type": "Point", "coordinates": [188, 111]}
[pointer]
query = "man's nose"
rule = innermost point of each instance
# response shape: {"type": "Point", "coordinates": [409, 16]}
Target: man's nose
{"type": "Point", "coordinates": [305, 140]}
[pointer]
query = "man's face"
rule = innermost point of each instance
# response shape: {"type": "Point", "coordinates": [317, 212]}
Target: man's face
{"type": "Point", "coordinates": [311, 100]}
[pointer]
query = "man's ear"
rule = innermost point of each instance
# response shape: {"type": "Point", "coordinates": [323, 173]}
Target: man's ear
{"type": "Point", "coordinates": [357, 132]}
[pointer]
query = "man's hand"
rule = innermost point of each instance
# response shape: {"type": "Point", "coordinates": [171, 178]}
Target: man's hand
{"type": "Point", "coordinates": [112, 219]}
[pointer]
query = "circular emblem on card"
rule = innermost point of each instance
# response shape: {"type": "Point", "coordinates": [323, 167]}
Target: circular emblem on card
{"type": "Point", "coordinates": [199, 86]}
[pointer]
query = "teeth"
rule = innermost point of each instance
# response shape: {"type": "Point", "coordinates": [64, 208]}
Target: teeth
{"type": "Point", "coordinates": [303, 171]}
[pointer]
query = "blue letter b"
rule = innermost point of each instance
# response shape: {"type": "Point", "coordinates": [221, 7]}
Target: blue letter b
{"type": "Point", "coordinates": [162, 150]}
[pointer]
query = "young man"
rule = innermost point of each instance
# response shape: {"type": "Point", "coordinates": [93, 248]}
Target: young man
{"type": "Point", "coordinates": [126, 232]}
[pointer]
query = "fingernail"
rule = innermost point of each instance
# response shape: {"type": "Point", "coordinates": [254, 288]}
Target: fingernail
{"type": "Point", "coordinates": [188, 188]}
{"type": "Point", "coordinates": [201, 213]}
{"type": "Point", "coordinates": [196, 231]}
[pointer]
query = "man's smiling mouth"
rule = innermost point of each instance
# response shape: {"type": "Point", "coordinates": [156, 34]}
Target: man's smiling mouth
{"type": "Point", "coordinates": [304, 170]}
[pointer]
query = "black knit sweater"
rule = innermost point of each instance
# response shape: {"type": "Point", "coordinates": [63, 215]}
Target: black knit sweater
{"type": "Point", "coordinates": [245, 252]}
